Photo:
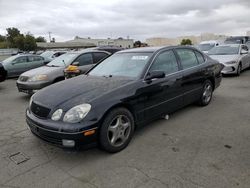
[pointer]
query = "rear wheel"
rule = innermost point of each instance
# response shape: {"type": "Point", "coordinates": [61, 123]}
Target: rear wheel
{"type": "Point", "coordinates": [207, 93]}
{"type": "Point", "coordinates": [117, 130]}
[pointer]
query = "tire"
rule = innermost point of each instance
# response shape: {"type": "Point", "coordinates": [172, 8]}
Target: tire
{"type": "Point", "coordinates": [207, 93]}
{"type": "Point", "coordinates": [116, 130]}
{"type": "Point", "coordinates": [239, 69]}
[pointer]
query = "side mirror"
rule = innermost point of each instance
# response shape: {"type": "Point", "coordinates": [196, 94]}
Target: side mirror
{"type": "Point", "coordinates": [76, 63]}
{"type": "Point", "coordinates": [155, 74]}
{"type": "Point", "coordinates": [244, 52]}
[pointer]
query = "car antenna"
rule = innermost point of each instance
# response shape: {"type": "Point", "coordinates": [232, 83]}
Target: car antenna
{"type": "Point", "coordinates": [64, 63]}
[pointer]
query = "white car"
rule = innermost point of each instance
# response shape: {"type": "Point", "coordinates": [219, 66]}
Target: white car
{"type": "Point", "coordinates": [205, 46]}
{"type": "Point", "coordinates": [234, 57]}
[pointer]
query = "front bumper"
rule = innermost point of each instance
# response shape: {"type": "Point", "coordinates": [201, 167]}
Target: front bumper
{"type": "Point", "coordinates": [31, 87]}
{"type": "Point", "coordinates": [230, 68]}
{"type": "Point", "coordinates": [50, 133]}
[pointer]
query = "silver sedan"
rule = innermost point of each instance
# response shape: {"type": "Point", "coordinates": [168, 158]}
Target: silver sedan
{"type": "Point", "coordinates": [234, 57]}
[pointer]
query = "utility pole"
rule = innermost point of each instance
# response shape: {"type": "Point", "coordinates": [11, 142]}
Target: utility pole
{"type": "Point", "coordinates": [49, 36]}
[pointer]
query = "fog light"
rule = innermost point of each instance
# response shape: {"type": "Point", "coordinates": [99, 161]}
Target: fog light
{"type": "Point", "coordinates": [68, 143]}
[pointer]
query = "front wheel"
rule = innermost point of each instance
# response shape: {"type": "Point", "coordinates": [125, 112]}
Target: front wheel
{"type": "Point", "coordinates": [117, 130]}
{"type": "Point", "coordinates": [239, 69]}
{"type": "Point", "coordinates": [207, 93]}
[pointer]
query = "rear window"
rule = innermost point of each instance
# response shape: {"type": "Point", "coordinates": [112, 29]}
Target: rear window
{"type": "Point", "coordinates": [200, 57]}
{"type": "Point", "coordinates": [187, 57]}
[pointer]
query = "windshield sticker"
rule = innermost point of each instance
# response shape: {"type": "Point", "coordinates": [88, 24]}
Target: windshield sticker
{"type": "Point", "coordinates": [139, 57]}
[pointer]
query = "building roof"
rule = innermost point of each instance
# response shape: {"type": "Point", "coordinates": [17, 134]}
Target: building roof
{"type": "Point", "coordinates": [64, 45]}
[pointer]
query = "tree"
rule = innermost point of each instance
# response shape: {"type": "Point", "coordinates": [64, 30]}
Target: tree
{"type": "Point", "coordinates": [19, 42]}
{"type": "Point", "coordinates": [29, 43]}
{"type": "Point", "coordinates": [11, 34]}
{"type": "Point", "coordinates": [186, 42]}
{"type": "Point", "coordinates": [137, 44]}
{"type": "Point", "coordinates": [2, 38]}
{"type": "Point", "coordinates": [40, 39]}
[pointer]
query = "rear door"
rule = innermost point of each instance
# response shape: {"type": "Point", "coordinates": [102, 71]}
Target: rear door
{"type": "Point", "coordinates": [85, 62]}
{"type": "Point", "coordinates": [99, 56]}
{"type": "Point", "coordinates": [163, 95]}
{"type": "Point", "coordinates": [193, 79]}
{"type": "Point", "coordinates": [35, 61]}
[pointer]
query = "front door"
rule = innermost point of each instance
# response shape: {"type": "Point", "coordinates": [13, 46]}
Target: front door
{"type": "Point", "coordinates": [85, 62]}
{"type": "Point", "coordinates": [18, 66]}
{"type": "Point", "coordinates": [164, 95]}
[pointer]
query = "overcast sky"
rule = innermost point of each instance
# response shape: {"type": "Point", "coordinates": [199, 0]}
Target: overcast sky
{"type": "Point", "coordinates": [122, 18]}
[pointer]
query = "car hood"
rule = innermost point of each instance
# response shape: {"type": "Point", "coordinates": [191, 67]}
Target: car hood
{"type": "Point", "coordinates": [42, 70]}
{"type": "Point", "coordinates": [225, 58]}
{"type": "Point", "coordinates": [78, 90]}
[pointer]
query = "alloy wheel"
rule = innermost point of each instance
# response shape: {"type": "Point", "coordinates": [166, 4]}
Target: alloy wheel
{"type": "Point", "coordinates": [119, 130]}
{"type": "Point", "coordinates": [207, 93]}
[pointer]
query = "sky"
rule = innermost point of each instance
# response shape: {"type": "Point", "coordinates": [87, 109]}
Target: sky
{"type": "Point", "coordinates": [135, 19]}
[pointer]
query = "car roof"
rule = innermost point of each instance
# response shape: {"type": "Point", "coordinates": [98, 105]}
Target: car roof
{"type": "Point", "coordinates": [86, 51]}
{"type": "Point", "coordinates": [154, 49]}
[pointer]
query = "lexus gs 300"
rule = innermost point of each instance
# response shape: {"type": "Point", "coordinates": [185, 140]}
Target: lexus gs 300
{"type": "Point", "coordinates": [123, 92]}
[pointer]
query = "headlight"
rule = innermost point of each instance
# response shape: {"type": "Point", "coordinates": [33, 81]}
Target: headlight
{"type": "Point", "coordinates": [39, 77]}
{"type": "Point", "coordinates": [77, 113]}
{"type": "Point", "coordinates": [231, 62]}
{"type": "Point", "coordinates": [57, 115]}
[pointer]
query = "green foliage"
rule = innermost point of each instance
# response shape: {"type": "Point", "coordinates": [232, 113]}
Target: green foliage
{"type": "Point", "coordinates": [29, 43]}
{"type": "Point", "coordinates": [186, 42]}
{"type": "Point", "coordinates": [11, 34]}
{"type": "Point", "coordinates": [137, 44]}
{"type": "Point", "coordinates": [40, 39]}
{"type": "Point", "coordinates": [2, 38]}
{"type": "Point", "coordinates": [3, 44]}
{"type": "Point", "coordinates": [14, 39]}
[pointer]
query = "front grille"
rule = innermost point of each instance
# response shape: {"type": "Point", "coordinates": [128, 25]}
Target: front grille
{"type": "Point", "coordinates": [23, 78]}
{"type": "Point", "coordinates": [39, 110]}
{"type": "Point", "coordinates": [47, 138]}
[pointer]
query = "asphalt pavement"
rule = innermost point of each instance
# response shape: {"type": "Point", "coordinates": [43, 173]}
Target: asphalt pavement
{"type": "Point", "coordinates": [197, 147]}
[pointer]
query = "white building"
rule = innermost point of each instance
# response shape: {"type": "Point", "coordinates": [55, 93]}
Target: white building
{"type": "Point", "coordinates": [120, 42]}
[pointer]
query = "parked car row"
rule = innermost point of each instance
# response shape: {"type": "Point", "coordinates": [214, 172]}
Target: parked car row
{"type": "Point", "coordinates": [234, 53]}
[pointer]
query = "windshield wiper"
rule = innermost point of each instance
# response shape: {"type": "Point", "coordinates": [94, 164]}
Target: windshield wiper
{"type": "Point", "coordinates": [108, 76]}
{"type": "Point", "coordinates": [52, 65]}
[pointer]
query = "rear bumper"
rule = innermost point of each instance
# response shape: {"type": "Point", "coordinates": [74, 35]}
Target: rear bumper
{"type": "Point", "coordinates": [30, 87]}
{"type": "Point", "coordinates": [57, 137]}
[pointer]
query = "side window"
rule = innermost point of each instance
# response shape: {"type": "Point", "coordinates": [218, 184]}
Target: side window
{"type": "Point", "coordinates": [166, 62]}
{"type": "Point", "coordinates": [84, 59]}
{"type": "Point", "coordinates": [21, 60]}
{"type": "Point", "coordinates": [98, 56]}
{"type": "Point", "coordinates": [187, 57]}
{"type": "Point", "coordinates": [200, 57]}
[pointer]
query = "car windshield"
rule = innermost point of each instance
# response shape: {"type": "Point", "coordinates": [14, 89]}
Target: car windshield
{"type": "Point", "coordinates": [224, 50]}
{"type": "Point", "coordinates": [205, 47]}
{"type": "Point", "coordinates": [122, 64]}
{"type": "Point", "coordinates": [10, 59]}
{"type": "Point", "coordinates": [63, 60]}
{"type": "Point", "coordinates": [47, 54]}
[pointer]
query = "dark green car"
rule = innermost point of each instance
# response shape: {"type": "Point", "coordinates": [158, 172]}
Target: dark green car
{"type": "Point", "coordinates": [16, 65]}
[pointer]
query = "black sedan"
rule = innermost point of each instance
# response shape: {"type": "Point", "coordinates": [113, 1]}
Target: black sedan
{"type": "Point", "coordinates": [123, 92]}
{"type": "Point", "coordinates": [3, 73]}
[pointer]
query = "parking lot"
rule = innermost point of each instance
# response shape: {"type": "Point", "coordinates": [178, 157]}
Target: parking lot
{"type": "Point", "coordinates": [196, 147]}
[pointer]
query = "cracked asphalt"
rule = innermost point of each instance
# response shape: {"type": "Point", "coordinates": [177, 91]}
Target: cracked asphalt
{"type": "Point", "coordinates": [196, 147]}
